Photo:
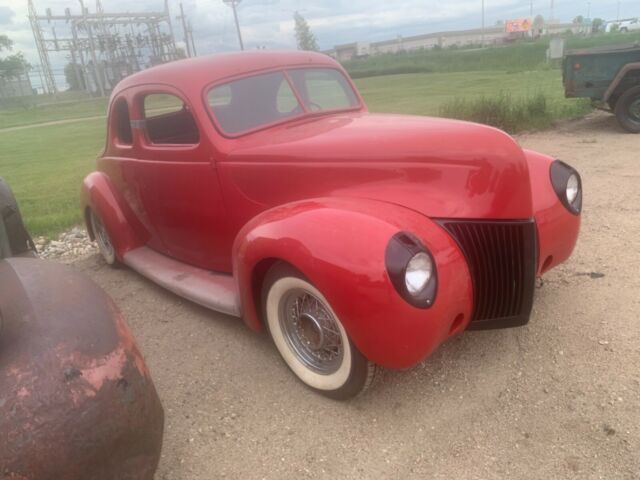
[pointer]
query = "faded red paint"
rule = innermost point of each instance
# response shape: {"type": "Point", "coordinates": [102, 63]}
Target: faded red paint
{"type": "Point", "coordinates": [76, 399]}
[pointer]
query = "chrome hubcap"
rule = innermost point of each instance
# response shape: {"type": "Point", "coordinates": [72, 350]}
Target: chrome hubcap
{"type": "Point", "coordinates": [311, 331]}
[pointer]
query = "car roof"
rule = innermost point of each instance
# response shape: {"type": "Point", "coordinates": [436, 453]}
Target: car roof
{"type": "Point", "coordinates": [200, 71]}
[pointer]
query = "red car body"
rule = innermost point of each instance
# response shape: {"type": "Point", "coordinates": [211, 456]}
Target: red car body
{"type": "Point", "coordinates": [325, 192]}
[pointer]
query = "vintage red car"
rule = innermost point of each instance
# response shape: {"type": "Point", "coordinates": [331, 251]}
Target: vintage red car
{"type": "Point", "coordinates": [258, 185]}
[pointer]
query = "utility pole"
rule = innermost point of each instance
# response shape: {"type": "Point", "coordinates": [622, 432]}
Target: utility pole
{"type": "Point", "coordinates": [588, 9]}
{"type": "Point", "coordinates": [186, 31]}
{"type": "Point", "coordinates": [482, 23]}
{"type": "Point", "coordinates": [233, 4]}
{"type": "Point", "coordinates": [531, 9]}
{"type": "Point", "coordinates": [193, 44]}
{"type": "Point", "coordinates": [618, 14]}
{"type": "Point", "coordinates": [552, 11]}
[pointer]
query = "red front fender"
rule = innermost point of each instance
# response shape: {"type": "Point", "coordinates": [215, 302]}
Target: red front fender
{"type": "Point", "coordinates": [100, 196]}
{"type": "Point", "coordinates": [557, 227]}
{"type": "Point", "coordinates": [339, 245]}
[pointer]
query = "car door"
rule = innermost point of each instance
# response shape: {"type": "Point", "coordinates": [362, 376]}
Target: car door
{"type": "Point", "coordinates": [176, 179]}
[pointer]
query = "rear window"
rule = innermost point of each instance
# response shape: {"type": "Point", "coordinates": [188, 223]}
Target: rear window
{"type": "Point", "coordinates": [261, 100]}
{"type": "Point", "coordinates": [122, 123]}
{"type": "Point", "coordinates": [168, 121]}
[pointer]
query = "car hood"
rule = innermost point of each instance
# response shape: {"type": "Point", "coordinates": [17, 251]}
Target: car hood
{"type": "Point", "coordinates": [441, 168]}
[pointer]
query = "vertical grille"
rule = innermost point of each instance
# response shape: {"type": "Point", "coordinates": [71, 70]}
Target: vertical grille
{"type": "Point", "coordinates": [502, 258]}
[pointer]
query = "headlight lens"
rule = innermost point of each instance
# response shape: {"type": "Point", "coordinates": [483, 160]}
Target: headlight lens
{"type": "Point", "coordinates": [568, 186]}
{"type": "Point", "coordinates": [573, 187]}
{"type": "Point", "coordinates": [418, 273]}
{"type": "Point", "coordinates": [412, 270]}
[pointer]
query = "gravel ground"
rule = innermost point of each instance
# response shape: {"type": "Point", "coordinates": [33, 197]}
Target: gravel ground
{"type": "Point", "coordinates": [559, 398]}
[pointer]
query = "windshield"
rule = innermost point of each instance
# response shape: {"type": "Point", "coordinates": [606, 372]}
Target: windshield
{"type": "Point", "coordinates": [254, 102]}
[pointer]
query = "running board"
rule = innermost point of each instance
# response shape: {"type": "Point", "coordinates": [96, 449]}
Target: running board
{"type": "Point", "coordinates": [213, 290]}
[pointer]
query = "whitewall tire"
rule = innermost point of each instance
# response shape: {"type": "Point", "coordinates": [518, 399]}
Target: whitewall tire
{"type": "Point", "coordinates": [310, 337]}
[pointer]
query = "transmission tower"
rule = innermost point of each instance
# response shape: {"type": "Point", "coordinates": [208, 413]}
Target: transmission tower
{"type": "Point", "coordinates": [103, 47]}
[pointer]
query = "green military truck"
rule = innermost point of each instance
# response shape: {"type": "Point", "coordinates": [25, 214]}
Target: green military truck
{"type": "Point", "coordinates": [610, 77]}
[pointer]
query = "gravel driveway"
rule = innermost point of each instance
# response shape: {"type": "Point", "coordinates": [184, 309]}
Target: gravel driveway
{"type": "Point", "coordinates": [559, 398]}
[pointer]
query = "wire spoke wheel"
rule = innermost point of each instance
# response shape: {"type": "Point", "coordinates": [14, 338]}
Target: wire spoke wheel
{"type": "Point", "coordinates": [310, 337]}
{"type": "Point", "coordinates": [311, 331]}
{"type": "Point", "coordinates": [103, 240]}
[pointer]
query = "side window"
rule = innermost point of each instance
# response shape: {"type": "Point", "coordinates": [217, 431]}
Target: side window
{"type": "Point", "coordinates": [121, 122]}
{"type": "Point", "coordinates": [168, 120]}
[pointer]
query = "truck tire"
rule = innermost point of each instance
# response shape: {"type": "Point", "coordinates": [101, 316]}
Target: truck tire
{"type": "Point", "coordinates": [628, 110]}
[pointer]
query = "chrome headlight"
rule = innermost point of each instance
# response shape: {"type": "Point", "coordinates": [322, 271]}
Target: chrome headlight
{"type": "Point", "coordinates": [411, 269]}
{"type": "Point", "coordinates": [567, 184]}
{"type": "Point", "coordinates": [418, 273]}
{"type": "Point", "coordinates": [573, 187]}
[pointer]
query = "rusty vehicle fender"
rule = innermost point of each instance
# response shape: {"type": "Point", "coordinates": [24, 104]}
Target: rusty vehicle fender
{"type": "Point", "coordinates": [76, 398]}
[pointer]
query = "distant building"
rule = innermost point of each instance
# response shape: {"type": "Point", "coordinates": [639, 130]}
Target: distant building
{"type": "Point", "coordinates": [19, 86]}
{"type": "Point", "coordinates": [460, 38]}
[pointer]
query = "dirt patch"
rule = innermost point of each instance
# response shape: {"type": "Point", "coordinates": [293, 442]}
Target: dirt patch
{"type": "Point", "coordinates": [558, 398]}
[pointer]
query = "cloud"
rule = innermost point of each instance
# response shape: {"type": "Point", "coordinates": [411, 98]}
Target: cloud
{"type": "Point", "coordinates": [6, 14]}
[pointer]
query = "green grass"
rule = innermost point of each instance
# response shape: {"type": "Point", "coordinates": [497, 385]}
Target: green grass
{"type": "Point", "coordinates": [29, 112]}
{"type": "Point", "coordinates": [510, 114]}
{"type": "Point", "coordinates": [45, 167]}
{"type": "Point", "coordinates": [428, 94]}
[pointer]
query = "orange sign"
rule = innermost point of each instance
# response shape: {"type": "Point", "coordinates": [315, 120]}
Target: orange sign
{"type": "Point", "coordinates": [520, 25]}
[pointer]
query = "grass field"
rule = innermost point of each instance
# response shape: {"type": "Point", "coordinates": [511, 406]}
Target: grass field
{"type": "Point", "coordinates": [45, 165]}
{"type": "Point", "coordinates": [426, 94]}
{"type": "Point", "coordinates": [27, 113]}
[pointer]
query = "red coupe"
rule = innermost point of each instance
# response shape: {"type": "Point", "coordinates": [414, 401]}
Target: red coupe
{"type": "Point", "coordinates": [258, 185]}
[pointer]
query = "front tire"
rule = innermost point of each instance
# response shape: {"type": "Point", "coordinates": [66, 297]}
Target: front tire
{"type": "Point", "coordinates": [310, 337]}
{"type": "Point", "coordinates": [628, 110]}
{"type": "Point", "coordinates": [105, 245]}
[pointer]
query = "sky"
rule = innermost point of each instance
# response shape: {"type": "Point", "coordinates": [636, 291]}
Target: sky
{"type": "Point", "coordinates": [269, 23]}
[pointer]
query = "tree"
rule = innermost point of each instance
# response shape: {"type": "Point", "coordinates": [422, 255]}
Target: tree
{"type": "Point", "coordinates": [597, 24]}
{"type": "Point", "coordinates": [13, 65]}
{"type": "Point", "coordinates": [73, 75]}
{"type": "Point", "coordinates": [538, 22]}
{"type": "Point", "coordinates": [5, 43]}
{"type": "Point", "coordinates": [305, 38]}
{"type": "Point", "coordinates": [579, 20]}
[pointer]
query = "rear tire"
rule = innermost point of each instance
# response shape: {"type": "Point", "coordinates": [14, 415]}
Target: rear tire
{"type": "Point", "coordinates": [310, 338]}
{"type": "Point", "coordinates": [628, 110]}
{"type": "Point", "coordinates": [105, 245]}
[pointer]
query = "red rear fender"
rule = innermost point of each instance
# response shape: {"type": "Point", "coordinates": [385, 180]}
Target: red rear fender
{"type": "Point", "coordinates": [339, 245]}
{"type": "Point", "coordinates": [100, 196]}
